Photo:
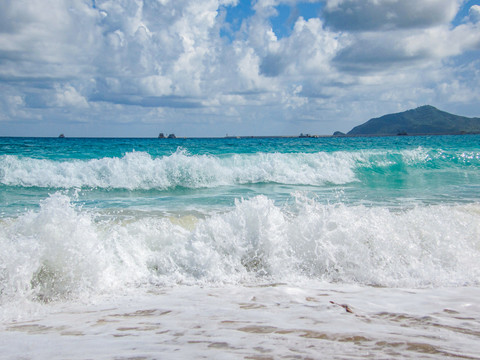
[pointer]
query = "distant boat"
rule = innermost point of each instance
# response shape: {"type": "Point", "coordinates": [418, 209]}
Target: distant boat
{"type": "Point", "coordinates": [172, 136]}
{"type": "Point", "coordinates": [61, 136]}
{"type": "Point", "coordinates": [161, 136]}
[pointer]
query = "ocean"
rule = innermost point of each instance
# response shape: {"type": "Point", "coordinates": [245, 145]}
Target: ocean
{"type": "Point", "coordinates": [240, 248]}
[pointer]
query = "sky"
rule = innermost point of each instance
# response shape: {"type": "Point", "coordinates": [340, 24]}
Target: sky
{"type": "Point", "coordinates": [201, 68]}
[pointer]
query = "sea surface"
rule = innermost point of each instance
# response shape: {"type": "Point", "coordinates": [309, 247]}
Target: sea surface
{"type": "Point", "coordinates": [240, 248]}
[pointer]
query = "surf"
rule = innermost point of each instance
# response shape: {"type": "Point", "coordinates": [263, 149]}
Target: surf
{"type": "Point", "coordinates": [140, 170]}
{"type": "Point", "coordinates": [65, 252]}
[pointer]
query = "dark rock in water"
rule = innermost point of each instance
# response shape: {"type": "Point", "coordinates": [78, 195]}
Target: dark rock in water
{"type": "Point", "coordinates": [161, 136]}
{"type": "Point", "coordinates": [423, 120]}
{"type": "Point", "coordinates": [172, 136]}
{"type": "Point", "coordinates": [338, 133]}
{"type": "Point", "coordinates": [61, 136]}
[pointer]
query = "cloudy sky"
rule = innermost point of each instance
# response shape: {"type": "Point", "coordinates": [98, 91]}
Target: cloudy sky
{"type": "Point", "coordinates": [237, 67]}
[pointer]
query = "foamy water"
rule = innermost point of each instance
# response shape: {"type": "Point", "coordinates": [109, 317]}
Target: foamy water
{"type": "Point", "coordinates": [215, 249]}
{"type": "Point", "coordinates": [139, 170]}
{"type": "Point", "coordinates": [269, 321]}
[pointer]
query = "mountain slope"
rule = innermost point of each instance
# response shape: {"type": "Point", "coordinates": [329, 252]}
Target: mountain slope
{"type": "Point", "coordinates": [422, 120]}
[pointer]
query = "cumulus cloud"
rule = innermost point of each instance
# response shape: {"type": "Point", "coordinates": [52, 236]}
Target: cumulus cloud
{"type": "Point", "coordinates": [52, 38]}
{"type": "Point", "coordinates": [377, 51]}
{"type": "Point", "coordinates": [68, 96]}
{"type": "Point", "coordinates": [371, 15]}
{"type": "Point", "coordinates": [168, 62]}
{"type": "Point", "coordinates": [474, 14]}
{"type": "Point", "coordinates": [308, 50]}
{"type": "Point", "coordinates": [392, 34]}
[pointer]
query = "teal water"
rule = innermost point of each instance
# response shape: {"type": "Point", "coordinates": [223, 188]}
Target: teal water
{"type": "Point", "coordinates": [204, 174]}
{"type": "Point", "coordinates": [82, 217]}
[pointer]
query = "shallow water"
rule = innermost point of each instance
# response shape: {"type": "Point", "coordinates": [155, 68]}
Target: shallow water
{"type": "Point", "coordinates": [271, 321]}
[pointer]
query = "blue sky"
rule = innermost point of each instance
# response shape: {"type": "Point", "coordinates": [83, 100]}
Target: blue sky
{"type": "Point", "coordinates": [212, 67]}
{"type": "Point", "coordinates": [282, 20]}
{"type": "Point", "coordinates": [463, 11]}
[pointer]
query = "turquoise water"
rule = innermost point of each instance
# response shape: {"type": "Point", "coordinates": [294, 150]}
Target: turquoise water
{"type": "Point", "coordinates": [198, 175]}
{"type": "Point", "coordinates": [85, 217]}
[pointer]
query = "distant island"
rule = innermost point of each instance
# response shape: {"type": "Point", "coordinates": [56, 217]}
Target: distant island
{"type": "Point", "coordinates": [424, 120]}
{"type": "Point", "coordinates": [162, 136]}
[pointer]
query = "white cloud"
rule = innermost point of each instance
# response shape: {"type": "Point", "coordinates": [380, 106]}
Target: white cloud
{"type": "Point", "coordinates": [168, 44]}
{"type": "Point", "coordinates": [68, 96]}
{"type": "Point", "coordinates": [165, 62]}
{"type": "Point", "coordinates": [371, 15]}
{"type": "Point", "coordinates": [9, 105]}
{"type": "Point", "coordinates": [310, 48]}
{"type": "Point", "coordinates": [52, 38]}
{"type": "Point", "coordinates": [12, 106]}
{"type": "Point", "coordinates": [474, 14]}
{"type": "Point", "coordinates": [156, 85]}
{"type": "Point", "coordinates": [380, 51]}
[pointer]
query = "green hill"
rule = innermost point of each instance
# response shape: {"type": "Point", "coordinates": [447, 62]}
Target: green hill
{"type": "Point", "coordinates": [422, 120]}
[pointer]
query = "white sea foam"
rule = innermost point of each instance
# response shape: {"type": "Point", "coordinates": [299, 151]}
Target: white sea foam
{"type": "Point", "coordinates": [139, 170]}
{"type": "Point", "coordinates": [62, 251]}
{"type": "Point", "coordinates": [301, 320]}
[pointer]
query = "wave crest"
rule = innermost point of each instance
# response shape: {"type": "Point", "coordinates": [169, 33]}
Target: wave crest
{"type": "Point", "coordinates": [63, 251]}
{"type": "Point", "coordinates": [139, 170]}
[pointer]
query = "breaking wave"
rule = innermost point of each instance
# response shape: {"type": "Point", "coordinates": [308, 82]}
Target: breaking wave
{"type": "Point", "coordinates": [139, 170]}
{"type": "Point", "coordinates": [63, 251]}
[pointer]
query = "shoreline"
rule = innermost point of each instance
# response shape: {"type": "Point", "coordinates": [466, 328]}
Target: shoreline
{"type": "Point", "coordinates": [267, 321]}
